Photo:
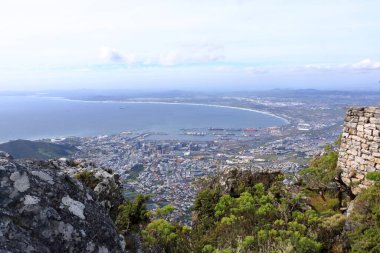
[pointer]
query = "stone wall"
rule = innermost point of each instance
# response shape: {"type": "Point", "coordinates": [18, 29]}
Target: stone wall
{"type": "Point", "coordinates": [360, 148]}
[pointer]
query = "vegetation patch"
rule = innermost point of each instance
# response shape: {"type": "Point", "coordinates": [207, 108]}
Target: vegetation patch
{"type": "Point", "coordinates": [87, 178]}
{"type": "Point", "coordinates": [250, 212]}
{"type": "Point", "coordinates": [135, 172]}
{"type": "Point", "coordinates": [24, 149]}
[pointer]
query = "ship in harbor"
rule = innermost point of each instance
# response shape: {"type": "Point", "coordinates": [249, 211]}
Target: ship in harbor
{"type": "Point", "coordinates": [233, 129]}
{"type": "Point", "coordinates": [216, 129]}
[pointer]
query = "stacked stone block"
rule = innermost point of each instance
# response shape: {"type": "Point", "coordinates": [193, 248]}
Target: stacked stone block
{"type": "Point", "coordinates": [360, 148]}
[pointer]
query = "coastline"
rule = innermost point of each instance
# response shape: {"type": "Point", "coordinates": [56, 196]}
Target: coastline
{"type": "Point", "coordinates": [281, 120]}
{"type": "Point", "coordinates": [286, 121]}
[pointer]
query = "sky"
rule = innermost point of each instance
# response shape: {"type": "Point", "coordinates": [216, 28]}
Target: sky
{"type": "Point", "coordinates": [189, 45]}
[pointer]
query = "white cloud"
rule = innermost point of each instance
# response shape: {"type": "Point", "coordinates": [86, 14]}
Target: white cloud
{"type": "Point", "coordinates": [319, 67]}
{"type": "Point", "coordinates": [186, 54]}
{"type": "Point", "coordinates": [366, 64]}
{"type": "Point", "coordinates": [363, 65]}
{"type": "Point", "coordinates": [110, 55]}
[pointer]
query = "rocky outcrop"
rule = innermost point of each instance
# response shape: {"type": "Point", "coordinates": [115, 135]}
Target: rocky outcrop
{"type": "Point", "coordinates": [360, 147]}
{"type": "Point", "coordinates": [104, 182]}
{"type": "Point", "coordinates": [44, 209]}
{"type": "Point", "coordinates": [232, 181]}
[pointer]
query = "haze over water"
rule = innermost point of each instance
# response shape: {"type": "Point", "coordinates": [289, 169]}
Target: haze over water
{"type": "Point", "coordinates": [26, 117]}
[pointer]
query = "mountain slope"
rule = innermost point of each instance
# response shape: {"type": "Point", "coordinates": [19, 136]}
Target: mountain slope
{"type": "Point", "coordinates": [24, 149]}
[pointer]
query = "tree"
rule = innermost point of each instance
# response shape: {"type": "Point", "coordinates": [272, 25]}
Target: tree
{"type": "Point", "coordinates": [161, 235]}
{"type": "Point", "coordinates": [162, 212]}
{"type": "Point", "coordinates": [132, 214]}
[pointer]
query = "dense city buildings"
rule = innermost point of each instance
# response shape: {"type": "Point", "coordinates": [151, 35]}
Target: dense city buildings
{"type": "Point", "coordinates": [168, 170]}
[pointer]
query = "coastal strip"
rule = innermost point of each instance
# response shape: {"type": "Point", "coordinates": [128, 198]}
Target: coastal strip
{"type": "Point", "coordinates": [174, 103]}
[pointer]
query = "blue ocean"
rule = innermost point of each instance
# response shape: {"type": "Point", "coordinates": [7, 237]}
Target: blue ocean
{"type": "Point", "coordinates": [35, 117]}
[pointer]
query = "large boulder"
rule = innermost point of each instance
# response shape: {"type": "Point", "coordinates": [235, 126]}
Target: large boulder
{"type": "Point", "coordinates": [43, 209]}
{"type": "Point", "coordinates": [231, 181]}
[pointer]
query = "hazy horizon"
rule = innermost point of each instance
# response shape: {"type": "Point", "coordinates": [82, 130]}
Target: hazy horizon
{"type": "Point", "coordinates": [205, 90]}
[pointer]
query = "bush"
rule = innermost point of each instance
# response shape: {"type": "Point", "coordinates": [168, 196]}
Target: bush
{"type": "Point", "coordinates": [365, 221]}
{"type": "Point", "coordinates": [373, 175]}
{"type": "Point", "coordinates": [163, 236]}
{"type": "Point", "coordinates": [132, 214]}
{"type": "Point", "coordinates": [88, 178]}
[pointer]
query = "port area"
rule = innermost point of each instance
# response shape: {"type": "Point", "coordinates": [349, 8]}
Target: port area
{"type": "Point", "coordinates": [230, 133]}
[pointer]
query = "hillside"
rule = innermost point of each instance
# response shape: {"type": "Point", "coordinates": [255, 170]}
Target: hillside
{"type": "Point", "coordinates": [235, 211]}
{"type": "Point", "coordinates": [24, 149]}
{"type": "Point", "coordinates": [245, 211]}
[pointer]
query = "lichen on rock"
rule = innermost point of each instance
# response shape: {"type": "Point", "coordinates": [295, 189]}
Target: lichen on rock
{"type": "Point", "coordinates": [43, 209]}
{"type": "Point", "coordinates": [75, 207]}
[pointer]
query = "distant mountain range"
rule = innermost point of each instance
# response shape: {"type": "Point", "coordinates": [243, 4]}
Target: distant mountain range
{"type": "Point", "coordinates": [24, 149]}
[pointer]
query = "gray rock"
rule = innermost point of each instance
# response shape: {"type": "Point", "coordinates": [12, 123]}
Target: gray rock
{"type": "Point", "coordinates": [42, 209]}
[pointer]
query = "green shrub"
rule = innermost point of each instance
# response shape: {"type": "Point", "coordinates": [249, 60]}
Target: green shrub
{"type": "Point", "coordinates": [373, 175]}
{"type": "Point", "coordinates": [132, 214]}
{"type": "Point", "coordinates": [365, 221]}
{"type": "Point", "coordinates": [248, 241]}
{"type": "Point", "coordinates": [88, 178]}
